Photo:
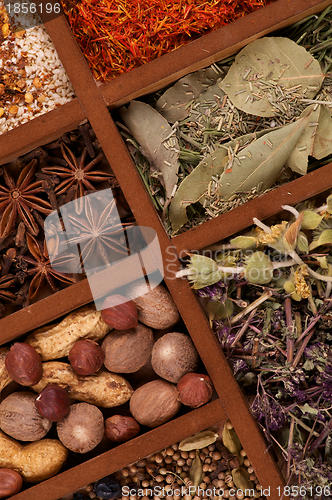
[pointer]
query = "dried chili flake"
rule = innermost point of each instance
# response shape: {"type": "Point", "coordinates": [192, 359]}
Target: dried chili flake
{"type": "Point", "coordinates": [119, 35]}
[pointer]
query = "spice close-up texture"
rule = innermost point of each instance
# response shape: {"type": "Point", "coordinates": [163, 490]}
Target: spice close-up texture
{"type": "Point", "coordinates": [165, 250]}
{"type": "Point", "coordinates": [117, 36]}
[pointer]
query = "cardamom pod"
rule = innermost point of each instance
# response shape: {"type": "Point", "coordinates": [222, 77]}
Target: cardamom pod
{"type": "Point", "coordinates": [242, 481]}
{"type": "Point", "coordinates": [198, 441]}
{"type": "Point", "coordinates": [230, 439]}
{"type": "Point", "coordinates": [196, 471]}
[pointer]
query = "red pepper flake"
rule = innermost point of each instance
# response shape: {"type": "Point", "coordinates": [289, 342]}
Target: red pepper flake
{"type": "Point", "coordinates": [119, 35]}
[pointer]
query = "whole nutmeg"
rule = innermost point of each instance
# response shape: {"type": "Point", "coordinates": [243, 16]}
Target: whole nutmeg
{"type": "Point", "coordinates": [119, 428]}
{"type": "Point", "coordinates": [174, 355]}
{"type": "Point", "coordinates": [120, 313]}
{"type": "Point", "coordinates": [86, 357]}
{"type": "Point", "coordinates": [53, 403]}
{"type": "Point", "coordinates": [24, 364]}
{"type": "Point", "coordinates": [10, 482]}
{"type": "Point", "coordinates": [154, 403]}
{"type": "Point", "coordinates": [82, 429]}
{"type": "Point", "coordinates": [194, 390]}
{"type": "Point", "coordinates": [126, 351]}
{"type": "Point", "coordinates": [155, 305]}
{"type": "Point", "coordinates": [20, 419]}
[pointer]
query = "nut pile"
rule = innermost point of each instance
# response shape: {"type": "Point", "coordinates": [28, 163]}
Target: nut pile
{"type": "Point", "coordinates": [211, 472]}
{"type": "Point", "coordinates": [33, 80]}
{"type": "Point", "coordinates": [74, 396]}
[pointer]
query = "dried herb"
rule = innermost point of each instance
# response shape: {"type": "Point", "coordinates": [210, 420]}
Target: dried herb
{"type": "Point", "coordinates": [270, 72]}
{"type": "Point", "coordinates": [152, 131]}
{"type": "Point", "coordinates": [259, 163]}
{"type": "Point", "coordinates": [278, 336]}
{"type": "Point", "coordinates": [173, 104]}
{"type": "Point", "coordinates": [212, 129]}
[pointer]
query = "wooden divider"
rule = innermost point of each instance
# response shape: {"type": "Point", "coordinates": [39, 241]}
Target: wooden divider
{"type": "Point", "coordinates": [91, 103]}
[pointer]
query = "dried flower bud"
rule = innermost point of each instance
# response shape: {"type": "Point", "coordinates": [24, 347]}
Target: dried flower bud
{"type": "Point", "coordinates": [259, 269]}
{"type": "Point", "coordinates": [194, 390]}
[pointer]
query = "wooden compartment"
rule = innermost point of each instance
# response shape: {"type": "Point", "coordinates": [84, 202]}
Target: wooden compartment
{"type": "Point", "coordinates": [91, 104]}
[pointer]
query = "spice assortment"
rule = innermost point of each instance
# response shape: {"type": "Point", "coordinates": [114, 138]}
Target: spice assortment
{"type": "Point", "coordinates": [267, 293]}
{"type": "Point", "coordinates": [102, 464]}
{"type": "Point", "coordinates": [33, 78]}
{"type": "Point", "coordinates": [117, 36]}
{"type": "Point", "coordinates": [96, 398]}
{"type": "Point", "coordinates": [221, 136]}
{"type": "Point", "coordinates": [32, 187]}
{"type": "Point", "coordinates": [210, 464]}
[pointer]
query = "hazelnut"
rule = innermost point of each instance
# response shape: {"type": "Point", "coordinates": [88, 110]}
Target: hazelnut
{"type": "Point", "coordinates": [82, 429]}
{"type": "Point", "coordinates": [194, 390]}
{"type": "Point", "coordinates": [10, 482]}
{"type": "Point", "coordinates": [174, 355]}
{"type": "Point", "coordinates": [120, 313]}
{"type": "Point", "coordinates": [154, 403]}
{"type": "Point", "coordinates": [86, 357]}
{"type": "Point", "coordinates": [20, 419]}
{"type": "Point", "coordinates": [120, 429]}
{"type": "Point", "coordinates": [24, 364]}
{"type": "Point", "coordinates": [53, 403]}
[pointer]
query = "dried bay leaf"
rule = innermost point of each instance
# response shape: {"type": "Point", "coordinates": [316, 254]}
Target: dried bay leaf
{"type": "Point", "coordinates": [198, 441]}
{"type": "Point", "coordinates": [150, 130]}
{"type": "Point", "coordinates": [298, 160]}
{"type": "Point", "coordinates": [316, 139]}
{"type": "Point", "coordinates": [323, 137]}
{"type": "Point", "coordinates": [263, 162]}
{"type": "Point", "coordinates": [172, 105]}
{"type": "Point", "coordinates": [193, 187]}
{"type": "Point", "coordinates": [263, 65]}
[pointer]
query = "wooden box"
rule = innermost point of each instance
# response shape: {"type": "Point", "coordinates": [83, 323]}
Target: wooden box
{"type": "Point", "coordinates": [93, 103]}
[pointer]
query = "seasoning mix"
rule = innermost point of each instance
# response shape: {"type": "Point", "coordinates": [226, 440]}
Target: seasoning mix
{"type": "Point", "coordinates": [33, 80]}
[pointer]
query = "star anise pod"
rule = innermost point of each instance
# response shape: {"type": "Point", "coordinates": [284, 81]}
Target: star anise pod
{"type": "Point", "coordinates": [41, 269]}
{"type": "Point", "coordinates": [18, 198]}
{"type": "Point", "coordinates": [99, 231]}
{"type": "Point", "coordinates": [77, 173]}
